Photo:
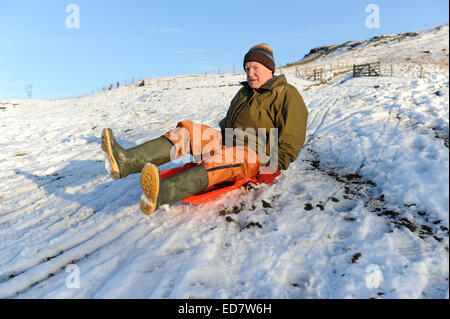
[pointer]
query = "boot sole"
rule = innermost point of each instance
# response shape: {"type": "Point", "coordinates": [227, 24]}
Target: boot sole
{"type": "Point", "coordinates": [150, 183]}
{"type": "Point", "coordinates": [106, 146]}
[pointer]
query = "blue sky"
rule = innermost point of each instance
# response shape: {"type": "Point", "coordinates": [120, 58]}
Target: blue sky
{"type": "Point", "coordinates": [120, 40]}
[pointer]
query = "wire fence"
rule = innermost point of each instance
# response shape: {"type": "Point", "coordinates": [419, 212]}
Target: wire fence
{"type": "Point", "coordinates": [385, 69]}
{"type": "Point", "coordinates": [314, 72]}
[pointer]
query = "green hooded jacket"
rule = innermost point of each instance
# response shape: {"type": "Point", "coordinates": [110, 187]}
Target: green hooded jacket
{"type": "Point", "coordinates": [275, 109]}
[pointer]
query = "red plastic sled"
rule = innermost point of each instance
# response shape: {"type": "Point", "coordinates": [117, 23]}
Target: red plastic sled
{"type": "Point", "coordinates": [212, 192]}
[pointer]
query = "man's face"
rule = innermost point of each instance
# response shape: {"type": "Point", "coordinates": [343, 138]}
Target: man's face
{"type": "Point", "coordinates": [257, 74]}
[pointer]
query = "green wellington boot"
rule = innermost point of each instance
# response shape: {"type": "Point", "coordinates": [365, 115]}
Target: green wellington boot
{"type": "Point", "coordinates": [124, 162]}
{"type": "Point", "coordinates": [172, 189]}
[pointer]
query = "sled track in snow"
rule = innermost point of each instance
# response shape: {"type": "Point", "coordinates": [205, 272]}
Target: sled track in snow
{"type": "Point", "coordinates": [319, 118]}
{"type": "Point", "coordinates": [88, 235]}
{"type": "Point", "coordinates": [49, 262]}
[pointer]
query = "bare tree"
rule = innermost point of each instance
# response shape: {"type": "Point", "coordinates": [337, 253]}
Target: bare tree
{"type": "Point", "coordinates": [29, 90]}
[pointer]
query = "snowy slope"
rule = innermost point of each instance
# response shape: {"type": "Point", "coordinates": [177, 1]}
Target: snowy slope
{"type": "Point", "coordinates": [429, 46]}
{"type": "Point", "coordinates": [363, 212]}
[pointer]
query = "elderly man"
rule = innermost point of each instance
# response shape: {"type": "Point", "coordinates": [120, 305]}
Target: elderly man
{"type": "Point", "coordinates": [263, 131]}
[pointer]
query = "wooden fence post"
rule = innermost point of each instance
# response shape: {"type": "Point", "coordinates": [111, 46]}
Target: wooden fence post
{"type": "Point", "coordinates": [318, 74]}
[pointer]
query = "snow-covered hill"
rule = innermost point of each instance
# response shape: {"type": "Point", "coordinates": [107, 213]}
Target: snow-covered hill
{"type": "Point", "coordinates": [363, 212]}
{"type": "Point", "coordinates": [429, 46]}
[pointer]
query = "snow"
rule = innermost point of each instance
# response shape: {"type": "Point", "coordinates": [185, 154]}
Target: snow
{"type": "Point", "coordinates": [363, 212]}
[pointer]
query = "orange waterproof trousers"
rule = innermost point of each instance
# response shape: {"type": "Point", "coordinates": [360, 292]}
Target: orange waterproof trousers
{"type": "Point", "coordinates": [223, 164]}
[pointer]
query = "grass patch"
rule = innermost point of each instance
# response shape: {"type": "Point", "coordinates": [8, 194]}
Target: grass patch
{"type": "Point", "coordinates": [315, 84]}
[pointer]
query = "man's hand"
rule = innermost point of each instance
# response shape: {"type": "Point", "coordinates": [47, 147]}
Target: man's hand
{"type": "Point", "coordinates": [269, 170]}
{"type": "Point", "coordinates": [267, 175]}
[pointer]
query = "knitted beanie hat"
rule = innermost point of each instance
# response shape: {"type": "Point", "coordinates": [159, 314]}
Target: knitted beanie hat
{"type": "Point", "coordinates": [263, 54]}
